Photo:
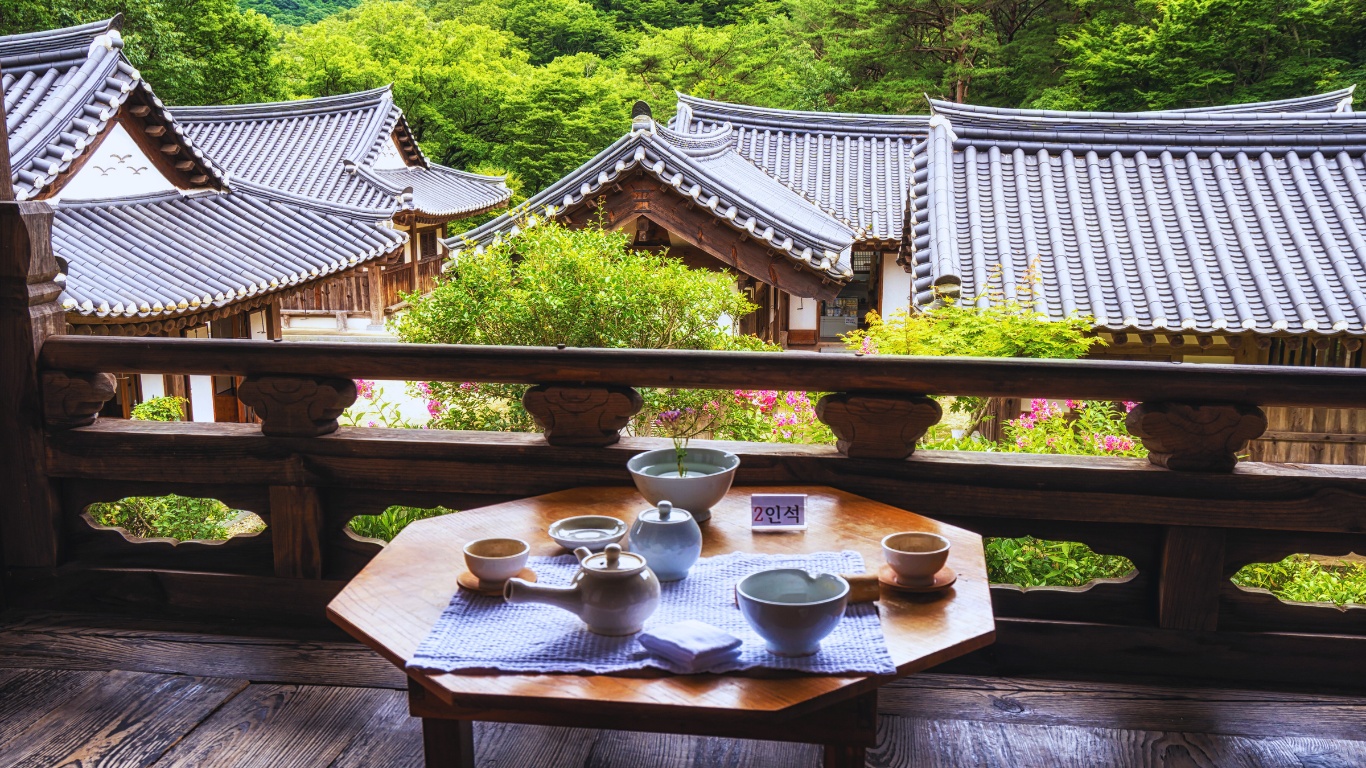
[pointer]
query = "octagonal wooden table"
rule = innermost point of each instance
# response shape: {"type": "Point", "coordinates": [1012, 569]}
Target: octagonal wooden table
{"type": "Point", "coordinates": [393, 603]}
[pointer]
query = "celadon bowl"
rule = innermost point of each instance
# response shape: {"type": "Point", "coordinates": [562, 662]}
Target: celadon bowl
{"type": "Point", "coordinates": [792, 609]}
{"type": "Point", "coordinates": [709, 475]}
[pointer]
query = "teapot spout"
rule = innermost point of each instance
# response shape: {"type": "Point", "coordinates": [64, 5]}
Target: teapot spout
{"type": "Point", "coordinates": [522, 591]}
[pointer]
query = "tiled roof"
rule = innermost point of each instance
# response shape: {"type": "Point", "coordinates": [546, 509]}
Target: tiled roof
{"type": "Point", "coordinates": [855, 166]}
{"type": "Point", "coordinates": [170, 254]}
{"type": "Point", "coordinates": [325, 150]}
{"type": "Point", "coordinates": [705, 167]}
{"type": "Point", "coordinates": [1196, 221]}
{"type": "Point", "coordinates": [62, 88]}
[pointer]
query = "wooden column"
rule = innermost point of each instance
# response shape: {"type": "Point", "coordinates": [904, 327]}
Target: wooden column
{"type": "Point", "coordinates": [296, 531]}
{"type": "Point", "coordinates": [29, 314]}
{"type": "Point", "coordinates": [376, 274]}
{"type": "Point", "coordinates": [416, 249]}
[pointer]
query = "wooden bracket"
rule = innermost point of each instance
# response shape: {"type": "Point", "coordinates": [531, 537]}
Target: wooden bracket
{"type": "Point", "coordinates": [1195, 438]}
{"type": "Point", "coordinates": [74, 399]}
{"type": "Point", "coordinates": [582, 416]}
{"type": "Point", "coordinates": [878, 426]}
{"type": "Point", "coordinates": [292, 406]}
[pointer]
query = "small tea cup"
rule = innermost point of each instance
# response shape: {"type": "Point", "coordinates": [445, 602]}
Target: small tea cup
{"type": "Point", "coordinates": [915, 557]}
{"type": "Point", "coordinates": [496, 560]}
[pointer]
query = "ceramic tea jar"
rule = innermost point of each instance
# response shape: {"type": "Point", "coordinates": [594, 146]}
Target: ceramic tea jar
{"type": "Point", "coordinates": [614, 592]}
{"type": "Point", "coordinates": [669, 539]}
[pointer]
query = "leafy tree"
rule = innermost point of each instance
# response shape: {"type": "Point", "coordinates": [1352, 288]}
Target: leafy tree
{"type": "Point", "coordinates": [168, 408]}
{"type": "Point", "coordinates": [760, 61]}
{"type": "Point", "coordinates": [551, 28]}
{"type": "Point", "coordinates": [207, 52]}
{"type": "Point", "coordinates": [297, 12]}
{"type": "Point", "coordinates": [665, 14]}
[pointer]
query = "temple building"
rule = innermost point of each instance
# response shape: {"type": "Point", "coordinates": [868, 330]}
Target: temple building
{"type": "Point", "coordinates": [215, 226]}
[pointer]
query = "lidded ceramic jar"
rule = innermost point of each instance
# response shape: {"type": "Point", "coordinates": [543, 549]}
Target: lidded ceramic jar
{"type": "Point", "coordinates": [614, 592]}
{"type": "Point", "coordinates": [669, 539]}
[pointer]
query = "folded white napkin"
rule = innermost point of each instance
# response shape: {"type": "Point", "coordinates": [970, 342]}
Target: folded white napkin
{"type": "Point", "coordinates": [692, 645]}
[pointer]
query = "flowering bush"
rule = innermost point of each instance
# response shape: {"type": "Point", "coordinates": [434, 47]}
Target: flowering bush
{"type": "Point", "coordinates": [371, 409]}
{"type": "Point", "coordinates": [770, 416]}
{"type": "Point", "coordinates": [1085, 427]}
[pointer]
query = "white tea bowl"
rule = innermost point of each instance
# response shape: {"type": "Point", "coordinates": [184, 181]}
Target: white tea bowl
{"type": "Point", "coordinates": [915, 556]}
{"type": "Point", "coordinates": [496, 560]}
{"type": "Point", "coordinates": [792, 609]}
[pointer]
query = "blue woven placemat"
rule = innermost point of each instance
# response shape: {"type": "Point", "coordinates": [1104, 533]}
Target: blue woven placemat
{"type": "Point", "coordinates": [481, 633]}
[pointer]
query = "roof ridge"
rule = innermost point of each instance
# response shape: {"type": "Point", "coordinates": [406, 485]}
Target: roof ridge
{"type": "Point", "coordinates": [344, 102]}
{"type": "Point", "coordinates": [790, 119]}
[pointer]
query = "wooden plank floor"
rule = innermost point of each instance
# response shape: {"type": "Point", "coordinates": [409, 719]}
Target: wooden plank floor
{"type": "Point", "coordinates": [86, 691]}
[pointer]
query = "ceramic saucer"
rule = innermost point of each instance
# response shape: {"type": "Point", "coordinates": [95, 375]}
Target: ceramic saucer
{"type": "Point", "coordinates": [469, 581]}
{"type": "Point", "coordinates": [944, 578]}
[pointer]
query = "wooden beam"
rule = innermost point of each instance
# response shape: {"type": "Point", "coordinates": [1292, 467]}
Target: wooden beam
{"type": "Point", "coordinates": [808, 371]}
{"type": "Point", "coordinates": [1191, 579]}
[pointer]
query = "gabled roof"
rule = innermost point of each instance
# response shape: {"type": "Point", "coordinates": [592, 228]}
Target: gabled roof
{"type": "Point", "coordinates": [855, 166]}
{"type": "Point", "coordinates": [1202, 222]}
{"type": "Point", "coordinates": [705, 168]}
{"type": "Point", "coordinates": [62, 90]}
{"type": "Point", "coordinates": [326, 150]}
{"type": "Point", "coordinates": [169, 255]}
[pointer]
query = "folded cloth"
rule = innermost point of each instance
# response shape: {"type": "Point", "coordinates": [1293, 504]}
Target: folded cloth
{"type": "Point", "coordinates": [691, 644]}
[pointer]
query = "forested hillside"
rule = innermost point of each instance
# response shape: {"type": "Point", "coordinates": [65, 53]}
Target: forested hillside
{"type": "Point", "coordinates": [534, 87]}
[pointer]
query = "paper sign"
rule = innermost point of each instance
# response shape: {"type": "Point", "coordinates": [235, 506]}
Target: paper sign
{"type": "Point", "coordinates": [777, 511]}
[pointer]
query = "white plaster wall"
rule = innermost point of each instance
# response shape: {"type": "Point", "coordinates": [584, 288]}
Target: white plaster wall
{"type": "Point", "coordinates": [153, 385]}
{"type": "Point", "coordinates": [118, 168]}
{"type": "Point", "coordinates": [201, 397]}
{"type": "Point", "coordinates": [801, 314]}
{"type": "Point", "coordinates": [896, 285]}
{"type": "Point", "coordinates": [389, 157]}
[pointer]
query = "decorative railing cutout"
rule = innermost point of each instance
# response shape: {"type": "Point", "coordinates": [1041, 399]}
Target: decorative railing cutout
{"type": "Point", "coordinates": [173, 519]}
{"type": "Point", "coordinates": [1030, 563]}
{"type": "Point", "coordinates": [1311, 581]}
{"type": "Point", "coordinates": [382, 528]}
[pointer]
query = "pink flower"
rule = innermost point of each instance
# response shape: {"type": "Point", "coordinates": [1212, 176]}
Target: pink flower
{"type": "Point", "coordinates": [1129, 405]}
{"type": "Point", "coordinates": [1020, 441]}
{"type": "Point", "coordinates": [466, 386]}
{"type": "Point", "coordinates": [424, 389]}
{"type": "Point", "coordinates": [365, 389]}
{"type": "Point", "coordinates": [868, 346]}
{"type": "Point", "coordinates": [435, 408]}
{"type": "Point", "coordinates": [371, 424]}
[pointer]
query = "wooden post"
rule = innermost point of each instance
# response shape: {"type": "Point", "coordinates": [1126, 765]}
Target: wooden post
{"type": "Point", "coordinates": [416, 249]}
{"type": "Point", "coordinates": [376, 275]}
{"type": "Point", "coordinates": [29, 314]}
{"type": "Point", "coordinates": [1191, 578]}
{"type": "Point", "coordinates": [296, 524]}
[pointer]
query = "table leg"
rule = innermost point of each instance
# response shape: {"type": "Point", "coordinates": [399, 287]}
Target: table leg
{"type": "Point", "coordinates": [844, 756]}
{"type": "Point", "coordinates": [448, 743]}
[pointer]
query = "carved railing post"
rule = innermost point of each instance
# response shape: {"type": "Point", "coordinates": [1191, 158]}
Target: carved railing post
{"type": "Point", "coordinates": [878, 426]}
{"type": "Point", "coordinates": [74, 399]}
{"type": "Point", "coordinates": [1195, 438]}
{"type": "Point", "coordinates": [582, 416]}
{"type": "Point", "coordinates": [29, 315]}
{"type": "Point", "coordinates": [295, 406]}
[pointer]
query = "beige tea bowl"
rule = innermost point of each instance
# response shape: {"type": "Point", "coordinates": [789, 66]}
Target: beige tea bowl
{"type": "Point", "coordinates": [915, 557]}
{"type": "Point", "coordinates": [495, 560]}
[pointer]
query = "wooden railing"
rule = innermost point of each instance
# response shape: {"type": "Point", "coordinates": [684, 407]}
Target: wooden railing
{"type": "Point", "coordinates": [1186, 531]}
{"type": "Point", "coordinates": [1188, 517]}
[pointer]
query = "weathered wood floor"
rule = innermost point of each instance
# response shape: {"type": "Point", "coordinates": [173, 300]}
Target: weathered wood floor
{"type": "Point", "coordinates": [81, 691]}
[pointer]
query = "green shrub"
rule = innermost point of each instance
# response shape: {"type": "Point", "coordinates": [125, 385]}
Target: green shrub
{"type": "Point", "coordinates": [168, 408]}
{"type": "Point", "coordinates": [166, 517]}
{"type": "Point", "coordinates": [1303, 579]}
{"type": "Point", "coordinates": [1031, 562]}
{"type": "Point", "coordinates": [387, 524]}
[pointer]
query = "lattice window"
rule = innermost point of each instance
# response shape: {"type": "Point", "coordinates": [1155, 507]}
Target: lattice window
{"type": "Point", "coordinates": [426, 244]}
{"type": "Point", "coordinates": [863, 262]}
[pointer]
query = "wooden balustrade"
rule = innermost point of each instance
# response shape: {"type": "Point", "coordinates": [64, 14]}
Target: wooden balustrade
{"type": "Point", "coordinates": [1188, 519]}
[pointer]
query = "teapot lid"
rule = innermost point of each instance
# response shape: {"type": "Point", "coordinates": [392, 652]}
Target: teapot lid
{"type": "Point", "coordinates": [613, 560]}
{"type": "Point", "coordinates": [665, 513]}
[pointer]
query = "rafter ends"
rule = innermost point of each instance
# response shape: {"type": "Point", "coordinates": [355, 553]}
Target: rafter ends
{"type": "Point", "coordinates": [140, 110]}
{"type": "Point", "coordinates": [1195, 438]}
{"type": "Point", "coordinates": [184, 165]}
{"type": "Point", "coordinates": [75, 399]}
{"type": "Point", "coordinates": [297, 406]}
{"type": "Point", "coordinates": [170, 149]}
{"type": "Point", "coordinates": [878, 426]}
{"type": "Point", "coordinates": [582, 416]}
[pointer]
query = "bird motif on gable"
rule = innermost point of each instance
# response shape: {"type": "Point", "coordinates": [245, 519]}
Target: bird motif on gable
{"type": "Point", "coordinates": [121, 158]}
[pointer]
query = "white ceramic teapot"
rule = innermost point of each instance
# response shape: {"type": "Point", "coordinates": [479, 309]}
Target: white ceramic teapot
{"type": "Point", "coordinates": [614, 592]}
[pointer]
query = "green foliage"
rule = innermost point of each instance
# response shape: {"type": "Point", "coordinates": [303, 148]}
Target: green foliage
{"type": "Point", "coordinates": [168, 517]}
{"type": "Point", "coordinates": [1302, 578]}
{"type": "Point", "coordinates": [1086, 428]}
{"type": "Point", "coordinates": [297, 12]}
{"type": "Point", "coordinates": [1031, 562]}
{"type": "Point", "coordinates": [206, 52]}
{"type": "Point", "coordinates": [386, 525]}
{"type": "Point", "coordinates": [168, 408]}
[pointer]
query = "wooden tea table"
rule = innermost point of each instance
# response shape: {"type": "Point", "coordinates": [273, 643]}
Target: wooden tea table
{"type": "Point", "coordinates": [393, 603]}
